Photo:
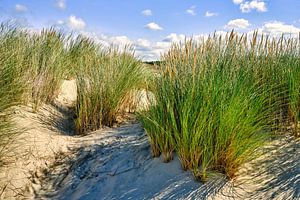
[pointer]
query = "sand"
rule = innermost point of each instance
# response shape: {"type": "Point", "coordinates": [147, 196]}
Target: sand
{"type": "Point", "coordinates": [115, 163]}
{"type": "Point", "coordinates": [44, 136]}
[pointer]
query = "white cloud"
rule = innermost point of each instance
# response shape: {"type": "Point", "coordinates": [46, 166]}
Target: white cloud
{"type": "Point", "coordinates": [61, 4]}
{"type": "Point", "coordinates": [143, 43]}
{"type": "Point", "coordinates": [121, 41]}
{"type": "Point", "coordinates": [147, 12]}
{"type": "Point", "coordinates": [60, 22]}
{"type": "Point", "coordinates": [276, 28]}
{"type": "Point", "coordinates": [191, 11]}
{"type": "Point", "coordinates": [144, 49]}
{"type": "Point", "coordinates": [238, 1]}
{"type": "Point", "coordinates": [21, 8]}
{"type": "Point", "coordinates": [248, 6]}
{"type": "Point", "coordinates": [76, 23]}
{"type": "Point", "coordinates": [257, 5]}
{"type": "Point", "coordinates": [154, 26]}
{"type": "Point", "coordinates": [173, 37]}
{"type": "Point", "coordinates": [238, 24]}
{"type": "Point", "coordinates": [210, 14]}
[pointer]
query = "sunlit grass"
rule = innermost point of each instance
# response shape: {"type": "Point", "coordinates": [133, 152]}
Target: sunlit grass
{"type": "Point", "coordinates": [47, 65]}
{"type": "Point", "coordinates": [12, 90]}
{"type": "Point", "coordinates": [218, 101]}
{"type": "Point", "coordinates": [105, 78]}
{"type": "Point", "coordinates": [39, 59]}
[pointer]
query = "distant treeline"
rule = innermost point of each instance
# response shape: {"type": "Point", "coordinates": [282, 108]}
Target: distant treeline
{"type": "Point", "coordinates": [153, 62]}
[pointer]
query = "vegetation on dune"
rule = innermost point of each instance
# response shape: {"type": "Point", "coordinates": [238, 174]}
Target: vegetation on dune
{"type": "Point", "coordinates": [38, 59]}
{"type": "Point", "coordinates": [105, 80]}
{"type": "Point", "coordinates": [217, 101]}
{"type": "Point", "coordinates": [106, 77]}
{"type": "Point", "coordinates": [12, 89]}
{"type": "Point", "coordinates": [48, 65]}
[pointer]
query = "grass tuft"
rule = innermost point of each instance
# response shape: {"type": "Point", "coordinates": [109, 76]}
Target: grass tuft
{"type": "Point", "coordinates": [105, 79]}
{"type": "Point", "coordinates": [218, 100]}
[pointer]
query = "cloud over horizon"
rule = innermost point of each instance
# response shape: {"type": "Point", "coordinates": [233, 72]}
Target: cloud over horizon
{"type": "Point", "coordinates": [20, 8]}
{"type": "Point", "coordinates": [76, 23]}
{"type": "Point", "coordinates": [238, 24]}
{"type": "Point", "coordinates": [276, 28]}
{"type": "Point", "coordinates": [153, 26]}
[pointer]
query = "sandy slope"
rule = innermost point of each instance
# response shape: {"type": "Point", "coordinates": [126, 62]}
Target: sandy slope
{"type": "Point", "coordinates": [115, 163]}
{"type": "Point", "coordinates": [44, 136]}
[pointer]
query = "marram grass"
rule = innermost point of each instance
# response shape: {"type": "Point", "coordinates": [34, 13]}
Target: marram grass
{"type": "Point", "coordinates": [218, 101]}
{"type": "Point", "coordinates": [105, 78]}
{"type": "Point", "coordinates": [48, 65]}
{"type": "Point", "coordinates": [11, 88]}
{"type": "Point", "coordinates": [39, 59]}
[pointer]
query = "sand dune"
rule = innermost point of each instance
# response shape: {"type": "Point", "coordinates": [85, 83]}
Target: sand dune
{"type": "Point", "coordinates": [115, 163]}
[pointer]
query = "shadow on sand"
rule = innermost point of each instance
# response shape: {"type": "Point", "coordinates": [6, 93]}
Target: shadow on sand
{"type": "Point", "coordinates": [117, 164]}
{"type": "Point", "coordinates": [280, 172]}
{"type": "Point", "coordinates": [57, 118]}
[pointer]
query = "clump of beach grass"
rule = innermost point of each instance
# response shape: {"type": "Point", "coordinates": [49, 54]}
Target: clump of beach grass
{"type": "Point", "coordinates": [31, 69]}
{"type": "Point", "coordinates": [48, 65]}
{"type": "Point", "coordinates": [218, 100]}
{"type": "Point", "coordinates": [12, 89]}
{"type": "Point", "coordinates": [105, 78]}
{"type": "Point", "coordinates": [40, 60]}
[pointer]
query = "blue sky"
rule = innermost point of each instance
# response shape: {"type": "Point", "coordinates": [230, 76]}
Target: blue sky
{"type": "Point", "coordinates": [151, 25]}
